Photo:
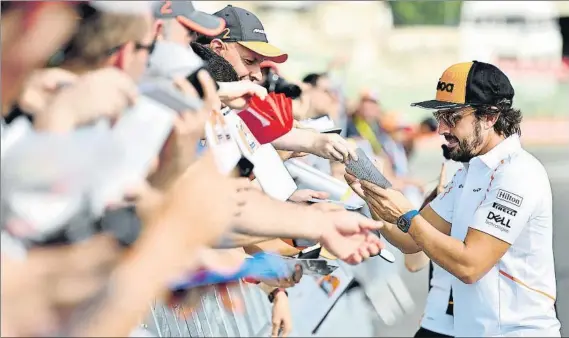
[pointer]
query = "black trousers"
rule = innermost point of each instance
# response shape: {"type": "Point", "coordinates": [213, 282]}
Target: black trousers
{"type": "Point", "coordinates": [428, 333]}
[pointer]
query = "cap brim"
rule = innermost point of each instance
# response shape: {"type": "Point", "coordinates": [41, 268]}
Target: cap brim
{"type": "Point", "coordinates": [438, 105]}
{"type": "Point", "coordinates": [203, 23]}
{"type": "Point", "coordinates": [265, 49]}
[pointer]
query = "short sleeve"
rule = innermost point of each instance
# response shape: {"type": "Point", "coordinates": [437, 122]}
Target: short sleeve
{"type": "Point", "coordinates": [443, 204]}
{"type": "Point", "coordinates": [506, 207]}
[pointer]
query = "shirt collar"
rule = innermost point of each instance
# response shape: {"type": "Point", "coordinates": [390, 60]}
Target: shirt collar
{"type": "Point", "coordinates": [501, 151]}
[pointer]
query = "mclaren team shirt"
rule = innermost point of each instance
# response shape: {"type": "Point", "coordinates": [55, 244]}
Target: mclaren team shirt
{"type": "Point", "coordinates": [506, 194]}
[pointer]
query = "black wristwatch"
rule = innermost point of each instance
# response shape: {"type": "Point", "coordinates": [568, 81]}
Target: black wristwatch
{"type": "Point", "coordinates": [404, 222]}
{"type": "Point", "coordinates": [273, 294]}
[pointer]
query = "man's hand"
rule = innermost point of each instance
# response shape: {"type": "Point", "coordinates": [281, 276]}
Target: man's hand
{"type": "Point", "coordinates": [287, 155]}
{"type": "Point", "coordinates": [194, 212]}
{"type": "Point", "coordinates": [180, 148]}
{"type": "Point", "coordinates": [41, 87]}
{"type": "Point", "coordinates": [304, 195]}
{"type": "Point", "coordinates": [347, 236]}
{"type": "Point", "coordinates": [388, 204]}
{"type": "Point", "coordinates": [333, 147]}
{"type": "Point", "coordinates": [281, 318]}
{"type": "Point", "coordinates": [236, 95]}
{"type": "Point", "coordinates": [103, 93]}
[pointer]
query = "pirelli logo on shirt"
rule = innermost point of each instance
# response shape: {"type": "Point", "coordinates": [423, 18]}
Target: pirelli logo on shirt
{"type": "Point", "coordinates": [509, 197]}
{"type": "Point", "coordinates": [504, 209]}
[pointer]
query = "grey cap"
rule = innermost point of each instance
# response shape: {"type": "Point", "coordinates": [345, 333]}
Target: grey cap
{"type": "Point", "coordinates": [185, 13]}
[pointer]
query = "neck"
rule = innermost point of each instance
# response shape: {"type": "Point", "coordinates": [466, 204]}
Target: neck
{"type": "Point", "coordinates": [493, 141]}
{"type": "Point", "coordinates": [78, 68]}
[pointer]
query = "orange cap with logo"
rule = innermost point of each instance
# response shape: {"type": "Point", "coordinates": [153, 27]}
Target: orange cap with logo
{"type": "Point", "coordinates": [470, 84]}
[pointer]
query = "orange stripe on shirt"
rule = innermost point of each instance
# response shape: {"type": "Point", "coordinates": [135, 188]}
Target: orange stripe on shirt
{"type": "Point", "coordinates": [512, 278]}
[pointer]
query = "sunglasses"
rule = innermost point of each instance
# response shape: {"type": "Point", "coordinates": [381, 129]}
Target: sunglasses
{"type": "Point", "coordinates": [137, 46]}
{"type": "Point", "coordinates": [451, 117]}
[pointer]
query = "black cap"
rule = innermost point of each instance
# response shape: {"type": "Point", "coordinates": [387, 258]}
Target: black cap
{"type": "Point", "coordinates": [245, 28]}
{"type": "Point", "coordinates": [186, 14]}
{"type": "Point", "coordinates": [470, 84]}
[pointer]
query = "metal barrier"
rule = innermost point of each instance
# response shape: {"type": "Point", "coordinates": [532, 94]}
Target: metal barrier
{"type": "Point", "coordinates": [211, 319]}
{"type": "Point", "coordinates": [385, 297]}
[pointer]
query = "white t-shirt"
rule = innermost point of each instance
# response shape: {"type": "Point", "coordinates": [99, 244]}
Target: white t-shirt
{"type": "Point", "coordinates": [506, 194]}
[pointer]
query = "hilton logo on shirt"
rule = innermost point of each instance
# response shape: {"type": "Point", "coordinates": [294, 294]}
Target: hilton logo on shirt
{"type": "Point", "coordinates": [508, 197]}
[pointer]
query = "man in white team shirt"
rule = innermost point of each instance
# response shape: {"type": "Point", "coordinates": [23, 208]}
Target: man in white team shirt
{"type": "Point", "coordinates": [492, 226]}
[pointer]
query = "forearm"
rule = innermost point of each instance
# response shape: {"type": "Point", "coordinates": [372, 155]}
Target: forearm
{"type": "Point", "coordinates": [236, 240]}
{"type": "Point", "coordinates": [296, 140]}
{"type": "Point", "coordinates": [261, 215]}
{"type": "Point", "coordinates": [448, 252]}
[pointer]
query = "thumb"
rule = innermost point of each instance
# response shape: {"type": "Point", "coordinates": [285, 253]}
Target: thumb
{"type": "Point", "coordinates": [369, 224]}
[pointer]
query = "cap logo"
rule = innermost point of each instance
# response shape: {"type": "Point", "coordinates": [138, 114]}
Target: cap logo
{"type": "Point", "coordinates": [166, 7]}
{"type": "Point", "coordinates": [226, 33]}
{"type": "Point", "coordinates": [257, 30]}
{"type": "Point", "coordinates": [445, 87]}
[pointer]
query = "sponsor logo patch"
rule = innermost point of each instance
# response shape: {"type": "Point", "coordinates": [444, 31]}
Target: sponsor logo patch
{"type": "Point", "coordinates": [498, 221]}
{"type": "Point", "coordinates": [509, 197]}
{"type": "Point", "coordinates": [504, 208]}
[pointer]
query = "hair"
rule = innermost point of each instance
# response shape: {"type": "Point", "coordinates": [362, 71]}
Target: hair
{"type": "Point", "coordinates": [99, 34]}
{"type": "Point", "coordinates": [509, 119]}
{"type": "Point", "coordinates": [312, 78]}
{"type": "Point", "coordinates": [219, 68]}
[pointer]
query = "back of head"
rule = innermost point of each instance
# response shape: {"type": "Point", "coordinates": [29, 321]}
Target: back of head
{"type": "Point", "coordinates": [312, 79]}
{"type": "Point", "coordinates": [98, 37]}
{"type": "Point", "coordinates": [220, 69]}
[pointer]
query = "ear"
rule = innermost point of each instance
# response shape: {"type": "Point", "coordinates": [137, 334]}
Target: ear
{"type": "Point", "coordinates": [158, 30]}
{"type": "Point", "coordinates": [218, 47]}
{"type": "Point", "coordinates": [490, 120]}
{"type": "Point", "coordinates": [123, 57]}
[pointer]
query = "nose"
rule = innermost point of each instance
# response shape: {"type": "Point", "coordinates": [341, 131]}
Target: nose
{"type": "Point", "coordinates": [443, 128]}
{"type": "Point", "coordinates": [255, 73]}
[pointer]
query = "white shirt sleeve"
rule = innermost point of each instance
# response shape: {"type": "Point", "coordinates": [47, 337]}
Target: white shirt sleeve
{"type": "Point", "coordinates": [443, 204]}
{"type": "Point", "coordinates": [507, 206]}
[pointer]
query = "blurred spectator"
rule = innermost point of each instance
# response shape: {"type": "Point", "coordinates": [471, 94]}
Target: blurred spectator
{"type": "Point", "coordinates": [179, 22]}
{"type": "Point", "coordinates": [323, 99]}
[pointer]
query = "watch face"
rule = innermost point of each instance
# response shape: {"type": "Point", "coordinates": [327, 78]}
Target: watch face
{"type": "Point", "coordinates": [402, 223]}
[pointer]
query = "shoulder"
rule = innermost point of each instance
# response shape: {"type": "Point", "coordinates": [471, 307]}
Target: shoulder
{"type": "Point", "coordinates": [521, 176]}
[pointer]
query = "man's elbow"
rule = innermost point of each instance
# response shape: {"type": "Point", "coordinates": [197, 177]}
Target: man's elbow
{"type": "Point", "coordinates": [469, 274]}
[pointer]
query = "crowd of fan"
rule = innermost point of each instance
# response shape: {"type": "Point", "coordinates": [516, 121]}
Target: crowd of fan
{"type": "Point", "coordinates": [68, 66]}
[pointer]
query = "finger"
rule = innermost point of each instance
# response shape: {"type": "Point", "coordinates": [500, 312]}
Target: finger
{"type": "Point", "coordinates": [366, 185]}
{"type": "Point", "coordinates": [368, 223]}
{"type": "Point", "coordinates": [349, 177]}
{"type": "Point", "coordinates": [320, 194]}
{"type": "Point", "coordinates": [286, 328]}
{"type": "Point", "coordinates": [258, 90]}
{"type": "Point", "coordinates": [276, 328]}
{"type": "Point", "coordinates": [354, 259]}
{"type": "Point", "coordinates": [335, 154]}
{"type": "Point", "coordinates": [352, 150]}
{"type": "Point", "coordinates": [342, 149]}
{"type": "Point", "coordinates": [208, 85]}
{"type": "Point", "coordinates": [364, 251]}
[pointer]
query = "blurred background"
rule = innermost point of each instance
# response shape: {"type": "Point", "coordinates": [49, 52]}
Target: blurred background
{"type": "Point", "coordinates": [400, 48]}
